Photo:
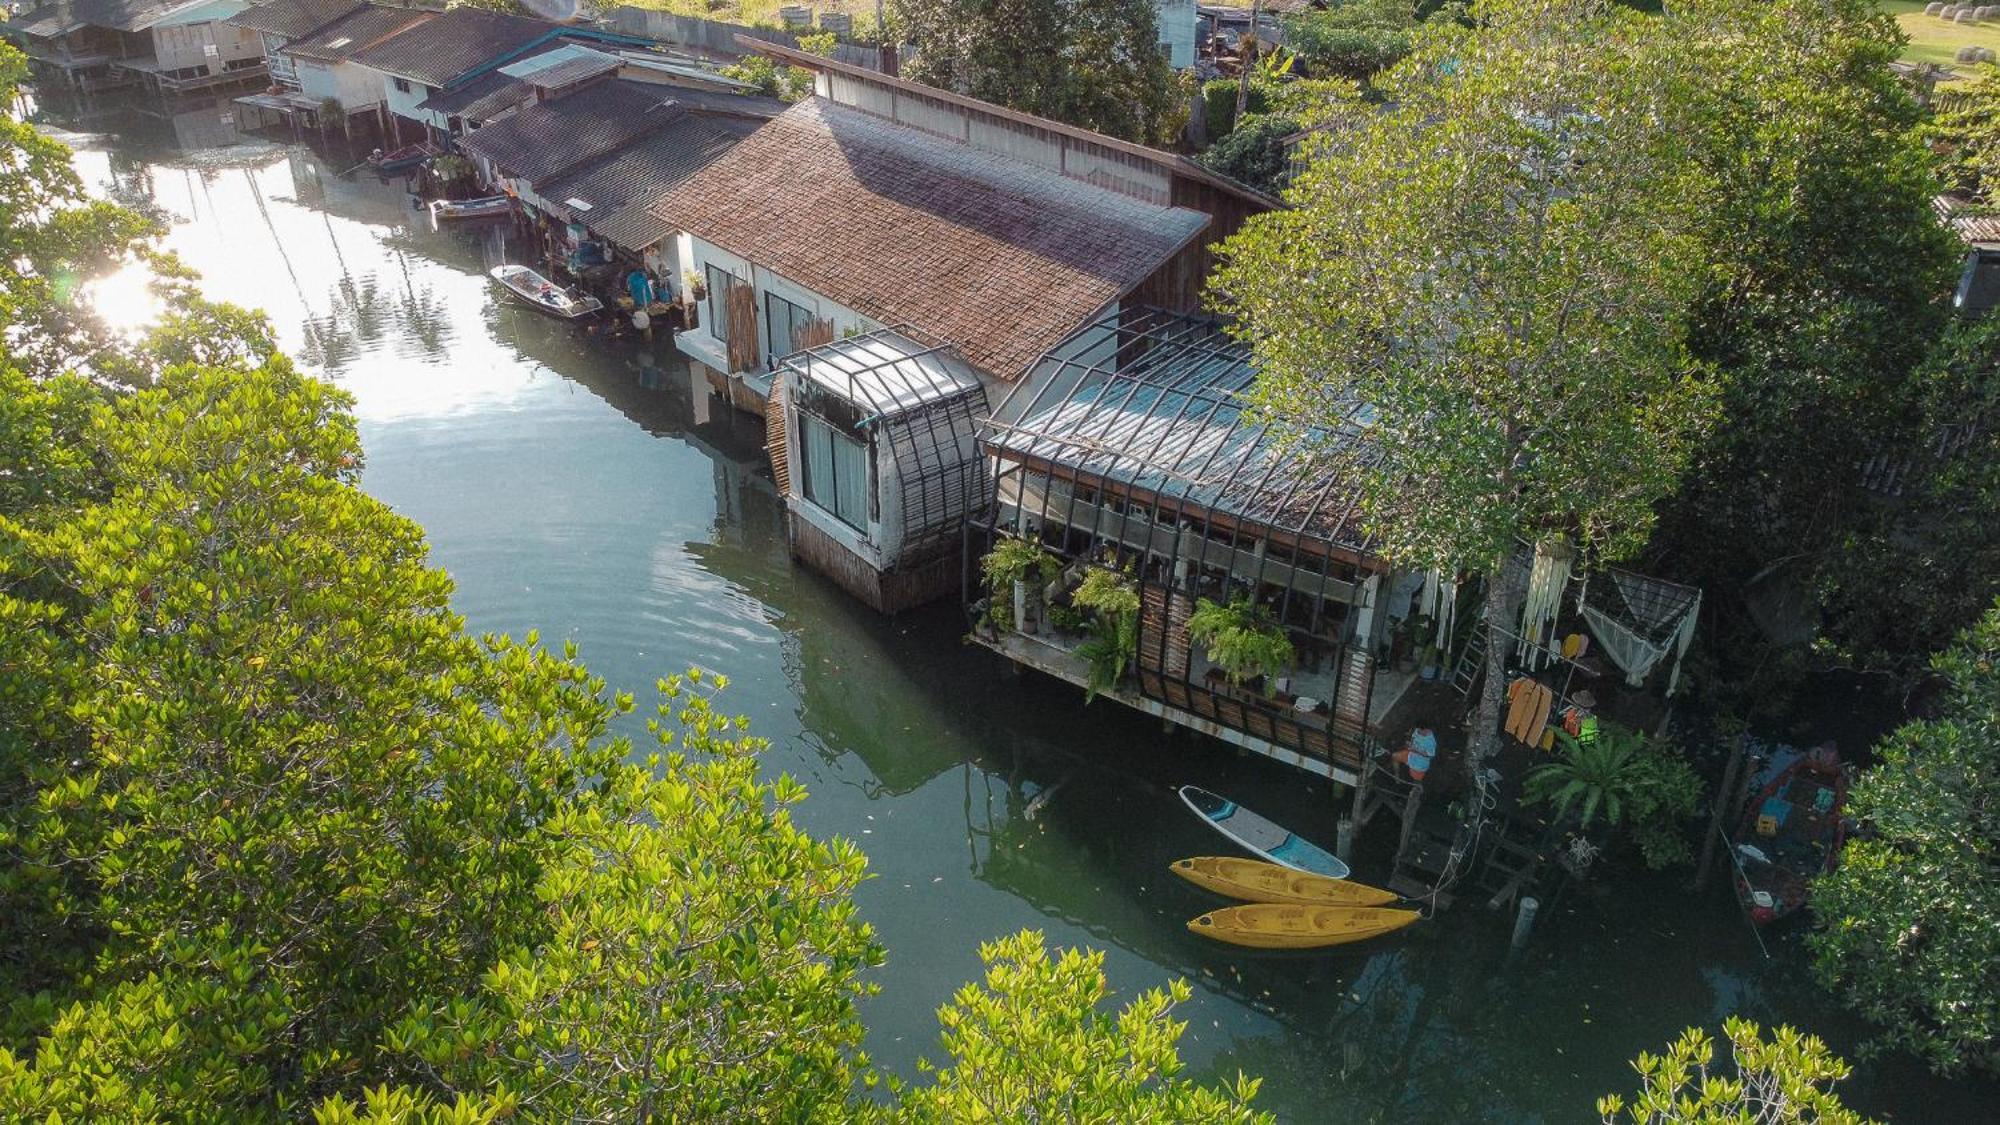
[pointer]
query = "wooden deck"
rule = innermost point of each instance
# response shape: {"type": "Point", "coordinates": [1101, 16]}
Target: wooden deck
{"type": "Point", "coordinates": [1047, 656]}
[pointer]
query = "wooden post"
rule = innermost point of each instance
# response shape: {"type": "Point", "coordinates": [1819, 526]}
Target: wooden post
{"type": "Point", "coordinates": [1410, 806]}
{"type": "Point", "coordinates": [1343, 835]}
{"type": "Point", "coordinates": [1524, 922]}
{"type": "Point", "coordinates": [1725, 801]}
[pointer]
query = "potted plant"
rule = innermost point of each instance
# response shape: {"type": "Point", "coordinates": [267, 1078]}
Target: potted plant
{"type": "Point", "coordinates": [1112, 599]}
{"type": "Point", "coordinates": [1241, 638]}
{"type": "Point", "coordinates": [694, 286]}
{"type": "Point", "coordinates": [1017, 569]}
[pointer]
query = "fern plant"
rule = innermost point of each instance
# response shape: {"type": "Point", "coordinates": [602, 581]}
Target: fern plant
{"type": "Point", "coordinates": [1644, 788]}
{"type": "Point", "coordinates": [1241, 638]}
{"type": "Point", "coordinates": [1113, 600]}
{"type": "Point", "coordinates": [1012, 560]}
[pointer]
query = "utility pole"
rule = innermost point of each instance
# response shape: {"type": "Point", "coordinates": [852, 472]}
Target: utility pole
{"type": "Point", "coordinates": [1248, 51]}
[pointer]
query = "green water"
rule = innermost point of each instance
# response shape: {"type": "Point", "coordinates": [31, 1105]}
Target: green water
{"type": "Point", "coordinates": [585, 488]}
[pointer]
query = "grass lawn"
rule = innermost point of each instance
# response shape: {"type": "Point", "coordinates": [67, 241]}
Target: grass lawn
{"type": "Point", "coordinates": [1934, 40]}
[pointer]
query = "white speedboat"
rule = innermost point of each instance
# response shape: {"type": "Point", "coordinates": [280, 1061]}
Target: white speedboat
{"type": "Point", "coordinates": [545, 296]}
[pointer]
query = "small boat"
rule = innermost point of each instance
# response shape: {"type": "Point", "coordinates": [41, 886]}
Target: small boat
{"type": "Point", "coordinates": [1290, 926]}
{"type": "Point", "coordinates": [1256, 881]}
{"type": "Point", "coordinates": [399, 160]}
{"type": "Point", "coordinates": [543, 295]}
{"type": "Point", "coordinates": [1791, 833]}
{"type": "Point", "coordinates": [450, 210]}
{"type": "Point", "coordinates": [1263, 838]}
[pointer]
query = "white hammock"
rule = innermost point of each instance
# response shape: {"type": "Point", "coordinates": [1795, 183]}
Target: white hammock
{"type": "Point", "coordinates": [1641, 620]}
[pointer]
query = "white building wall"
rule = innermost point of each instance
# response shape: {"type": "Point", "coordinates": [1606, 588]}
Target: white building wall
{"type": "Point", "coordinates": [1177, 23]}
{"type": "Point", "coordinates": [403, 102]}
{"type": "Point", "coordinates": [694, 255]}
{"type": "Point", "coordinates": [353, 87]}
{"type": "Point", "coordinates": [188, 45]}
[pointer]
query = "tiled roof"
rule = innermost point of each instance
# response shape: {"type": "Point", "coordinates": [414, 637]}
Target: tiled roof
{"type": "Point", "coordinates": [350, 35]}
{"type": "Point", "coordinates": [549, 138]}
{"type": "Point", "coordinates": [997, 256]}
{"type": "Point", "coordinates": [457, 40]}
{"type": "Point", "coordinates": [292, 18]}
{"type": "Point", "coordinates": [619, 187]}
{"type": "Point", "coordinates": [1973, 225]}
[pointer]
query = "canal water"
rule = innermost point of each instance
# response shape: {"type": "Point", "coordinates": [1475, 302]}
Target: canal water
{"type": "Point", "coordinates": [584, 487]}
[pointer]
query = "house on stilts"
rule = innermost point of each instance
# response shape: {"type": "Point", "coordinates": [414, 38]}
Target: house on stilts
{"type": "Point", "coordinates": [877, 268]}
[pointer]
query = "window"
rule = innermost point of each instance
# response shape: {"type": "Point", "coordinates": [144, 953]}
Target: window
{"type": "Point", "coordinates": [786, 323]}
{"type": "Point", "coordinates": [719, 281]}
{"type": "Point", "coordinates": [836, 472]}
{"type": "Point", "coordinates": [402, 85]}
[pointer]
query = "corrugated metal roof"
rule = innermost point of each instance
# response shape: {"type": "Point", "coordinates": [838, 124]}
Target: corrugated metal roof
{"type": "Point", "coordinates": [54, 20]}
{"type": "Point", "coordinates": [458, 40]}
{"type": "Point", "coordinates": [1977, 226]}
{"type": "Point", "coordinates": [1000, 257]}
{"type": "Point", "coordinates": [348, 36]}
{"type": "Point", "coordinates": [1168, 415]}
{"type": "Point", "coordinates": [570, 71]}
{"type": "Point", "coordinates": [555, 55]}
{"type": "Point", "coordinates": [545, 139]}
{"type": "Point", "coordinates": [619, 187]}
{"type": "Point", "coordinates": [292, 18]}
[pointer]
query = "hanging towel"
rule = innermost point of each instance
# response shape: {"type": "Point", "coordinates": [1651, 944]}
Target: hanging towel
{"type": "Point", "coordinates": [1544, 700]}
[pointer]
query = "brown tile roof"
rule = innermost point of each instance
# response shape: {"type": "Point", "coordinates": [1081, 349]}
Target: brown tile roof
{"type": "Point", "coordinates": [999, 257]}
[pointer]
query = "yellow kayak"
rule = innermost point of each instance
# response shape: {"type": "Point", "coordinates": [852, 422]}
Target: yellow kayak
{"type": "Point", "coordinates": [1285, 926]}
{"type": "Point", "coordinates": [1254, 880]}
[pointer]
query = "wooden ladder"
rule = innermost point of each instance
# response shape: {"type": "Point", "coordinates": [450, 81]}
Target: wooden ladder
{"type": "Point", "coordinates": [1471, 661]}
{"type": "Point", "coordinates": [774, 438]}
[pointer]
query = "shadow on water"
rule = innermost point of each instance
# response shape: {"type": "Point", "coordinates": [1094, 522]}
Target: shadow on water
{"type": "Point", "coordinates": [584, 485]}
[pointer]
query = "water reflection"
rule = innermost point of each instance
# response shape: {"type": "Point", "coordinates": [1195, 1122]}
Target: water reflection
{"type": "Point", "coordinates": [587, 486]}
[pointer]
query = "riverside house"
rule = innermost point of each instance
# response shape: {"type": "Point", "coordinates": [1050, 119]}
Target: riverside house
{"type": "Point", "coordinates": [878, 266]}
{"type": "Point", "coordinates": [162, 44]}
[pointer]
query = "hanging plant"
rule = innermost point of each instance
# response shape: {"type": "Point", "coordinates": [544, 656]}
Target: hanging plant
{"type": "Point", "coordinates": [1241, 638]}
{"type": "Point", "coordinates": [1113, 601]}
{"type": "Point", "coordinates": [1017, 560]}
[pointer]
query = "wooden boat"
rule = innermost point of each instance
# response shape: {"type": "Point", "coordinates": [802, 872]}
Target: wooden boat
{"type": "Point", "coordinates": [1263, 838]}
{"type": "Point", "coordinates": [399, 160]}
{"type": "Point", "coordinates": [543, 295]}
{"type": "Point", "coordinates": [1290, 926]}
{"type": "Point", "coordinates": [453, 210]}
{"type": "Point", "coordinates": [1791, 832]}
{"type": "Point", "coordinates": [1256, 881]}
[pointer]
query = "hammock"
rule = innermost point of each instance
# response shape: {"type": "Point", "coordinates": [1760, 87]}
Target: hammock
{"type": "Point", "coordinates": [1638, 620]}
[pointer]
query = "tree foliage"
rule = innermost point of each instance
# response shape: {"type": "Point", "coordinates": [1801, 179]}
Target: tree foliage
{"type": "Point", "coordinates": [1033, 1044]}
{"type": "Point", "coordinates": [1827, 269]}
{"type": "Point", "coordinates": [1967, 132]}
{"type": "Point", "coordinates": [283, 841]}
{"type": "Point", "coordinates": [1490, 342]}
{"type": "Point", "coordinates": [1907, 929]}
{"type": "Point", "coordinates": [1255, 154]}
{"type": "Point", "coordinates": [1785, 1080]}
{"type": "Point", "coordinates": [1093, 63]}
{"type": "Point", "coordinates": [1353, 40]}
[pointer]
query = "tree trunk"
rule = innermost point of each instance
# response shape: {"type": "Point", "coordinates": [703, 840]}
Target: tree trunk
{"type": "Point", "coordinates": [1503, 610]}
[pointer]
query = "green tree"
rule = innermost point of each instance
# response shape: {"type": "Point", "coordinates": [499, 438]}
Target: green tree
{"type": "Point", "coordinates": [1093, 63]}
{"type": "Point", "coordinates": [1255, 154]}
{"type": "Point", "coordinates": [1967, 130]}
{"type": "Point", "coordinates": [1785, 1080]}
{"type": "Point", "coordinates": [1907, 929]}
{"type": "Point", "coordinates": [1033, 1044]}
{"type": "Point", "coordinates": [1488, 341]}
{"type": "Point", "coordinates": [1823, 299]}
{"type": "Point", "coordinates": [281, 839]}
{"type": "Point", "coordinates": [1355, 40]}
{"type": "Point", "coordinates": [1640, 786]}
